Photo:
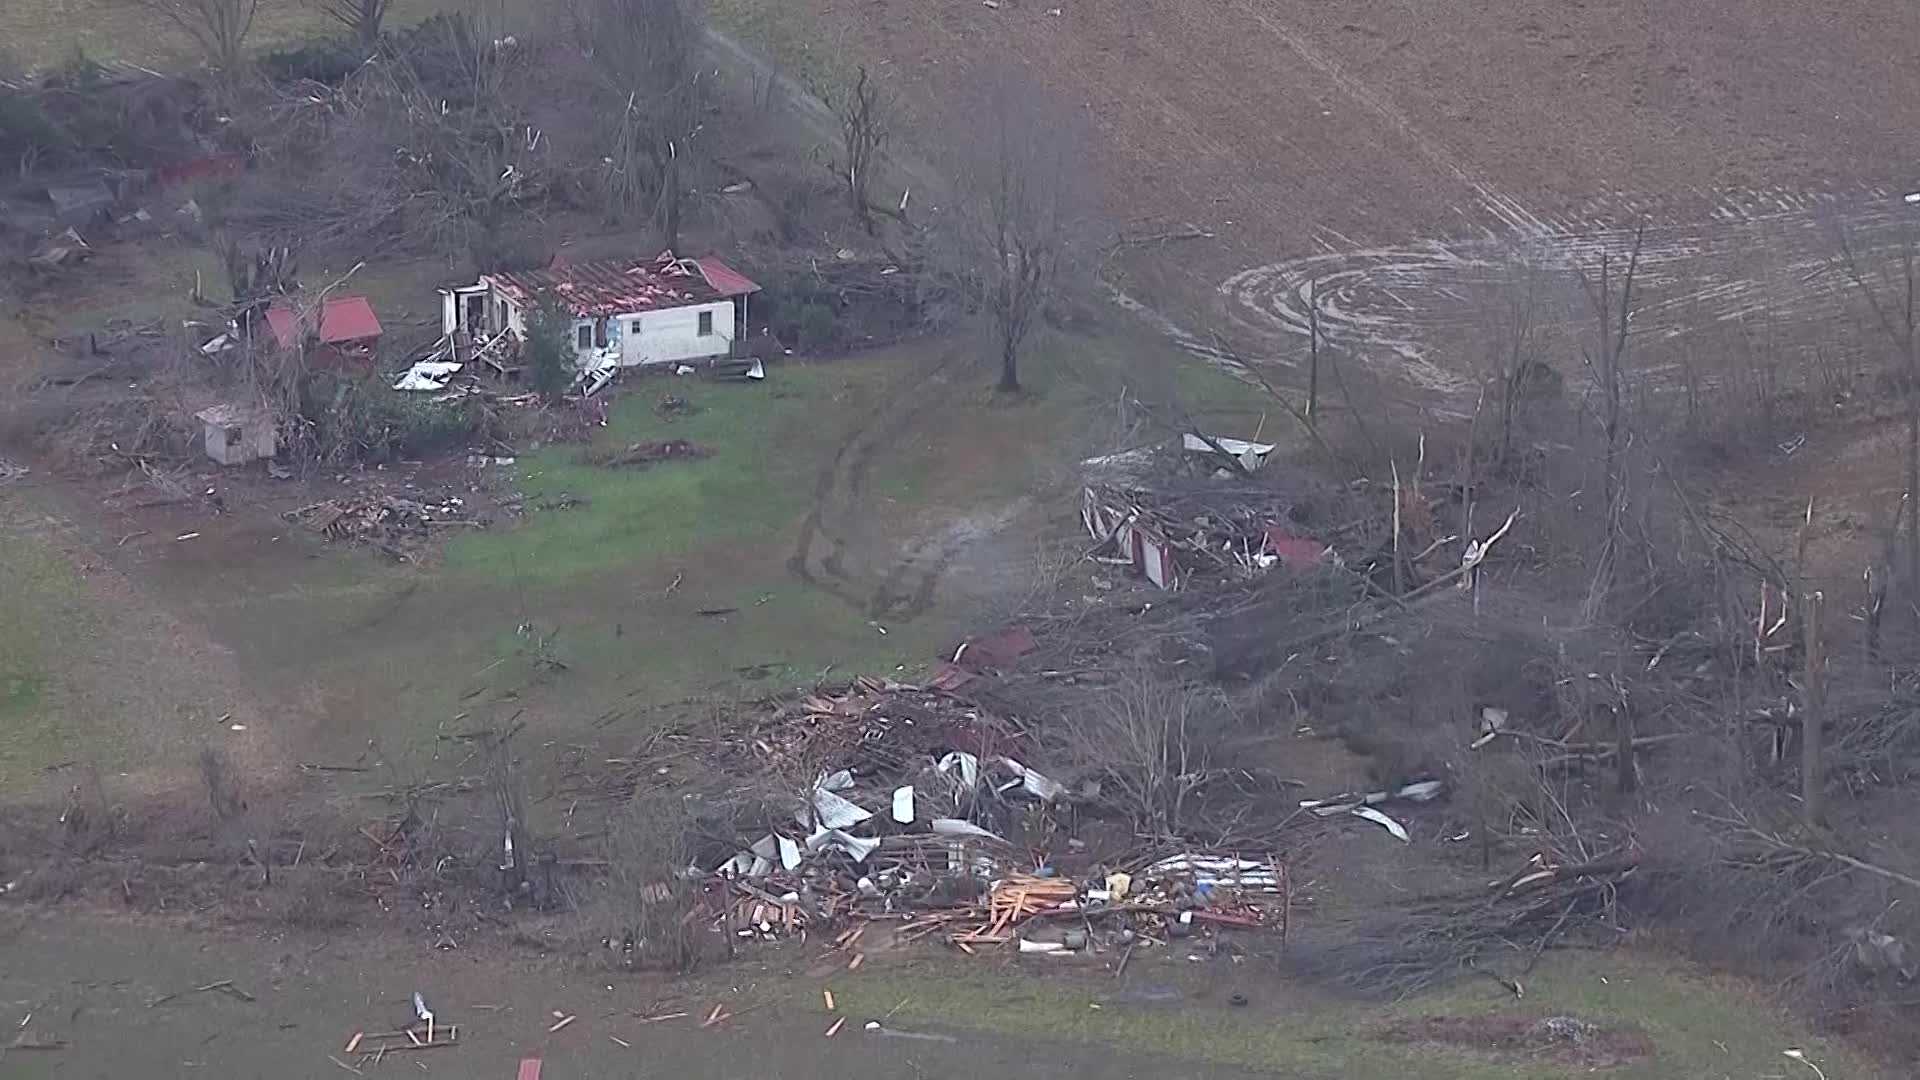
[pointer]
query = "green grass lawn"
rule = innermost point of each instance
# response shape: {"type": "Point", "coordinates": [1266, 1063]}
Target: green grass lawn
{"type": "Point", "coordinates": [766, 443]}
{"type": "Point", "coordinates": [621, 580]}
{"type": "Point", "coordinates": [43, 33]}
{"type": "Point", "coordinates": [1700, 1027]}
{"type": "Point", "coordinates": [44, 619]}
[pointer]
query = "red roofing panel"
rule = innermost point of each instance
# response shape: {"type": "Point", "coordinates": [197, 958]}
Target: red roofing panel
{"type": "Point", "coordinates": [1295, 552]}
{"type": "Point", "coordinates": [281, 321]}
{"type": "Point", "coordinates": [999, 650]}
{"type": "Point", "coordinates": [599, 289]}
{"type": "Point", "coordinates": [347, 318]}
{"type": "Point", "coordinates": [342, 319]}
{"type": "Point", "coordinates": [725, 279]}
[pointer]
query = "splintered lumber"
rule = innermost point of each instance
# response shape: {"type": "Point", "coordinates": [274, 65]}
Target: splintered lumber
{"type": "Point", "coordinates": [371, 1043]}
{"type": "Point", "coordinates": [1015, 900]}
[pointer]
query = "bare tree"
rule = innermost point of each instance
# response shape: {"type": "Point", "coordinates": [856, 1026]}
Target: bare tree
{"type": "Point", "coordinates": [219, 28]}
{"type": "Point", "coordinates": [1899, 319]}
{"type": "Point", "coordinates": [1516, 350]}
{"type": "Point", "coordinates": [1149, 739]}
{"type": "Point", "coordinates": [1611, 293]}
{"type": "Point", "coordinates": [1813, 718]}
{"type": "Point", "coordinates": [1018, 212]}
{"type": "Point", "coordinates": [642, 55]}
{"type": "Point", "coordinates": [863, 113]}
{"type": "Point", "coordinates": [361, 18]}
{"type": "Point", "coordinates": [461, 136]}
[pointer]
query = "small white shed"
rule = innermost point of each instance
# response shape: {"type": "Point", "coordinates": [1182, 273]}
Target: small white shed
{"type": "Point", "coordinates": [237, 434]}
{"type": "Point", "coordinates": [664, 311]}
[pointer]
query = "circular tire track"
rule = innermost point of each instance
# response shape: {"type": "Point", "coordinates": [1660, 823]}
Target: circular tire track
{"type": "Point", "coordinates": [1753, 258]}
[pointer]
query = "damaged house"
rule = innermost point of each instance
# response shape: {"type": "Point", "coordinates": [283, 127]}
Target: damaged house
{"type": "Point", "coordinates": [626, 314]}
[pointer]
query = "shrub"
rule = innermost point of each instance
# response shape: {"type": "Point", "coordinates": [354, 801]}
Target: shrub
{"type": "Point", "coordinates": [367, 420]}
{"type": "Point", "coordinates": [549, 348]}
{"type": "Point", "coordinates": [817, 325]}
{"type": "Point", "coordinates": [26, 129]}
{"type": "Point", "coordinates": [327, 60]}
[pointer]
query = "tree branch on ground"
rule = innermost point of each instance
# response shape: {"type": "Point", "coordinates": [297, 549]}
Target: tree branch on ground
{"type": "Point", "coordinates": [1149, 739]}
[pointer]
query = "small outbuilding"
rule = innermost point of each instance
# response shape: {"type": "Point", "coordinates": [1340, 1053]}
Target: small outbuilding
{"type": "Point", "coordinates": [237, 434]}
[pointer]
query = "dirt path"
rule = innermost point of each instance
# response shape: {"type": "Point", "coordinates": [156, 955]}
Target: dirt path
{"type": "Point", "coordinates": [834, 551]}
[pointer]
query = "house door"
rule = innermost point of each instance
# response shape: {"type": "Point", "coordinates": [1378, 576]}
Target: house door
{"type": "Point", "coordinates": [476, 319]}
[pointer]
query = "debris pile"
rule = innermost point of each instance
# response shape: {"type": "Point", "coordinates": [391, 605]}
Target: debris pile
{"type": "Point", "coordinates": [646, 453]}
{"type": "Point", "coordinates": [907, 798]}
{"type": "Point", "coordinates": [1168, 899]}
{"type": "Point", "coordinates": [400, 527]}
{"type": "Point", "coordinates": [1209, 534]}
{"type": "Point", "coordinates": [904, 794]}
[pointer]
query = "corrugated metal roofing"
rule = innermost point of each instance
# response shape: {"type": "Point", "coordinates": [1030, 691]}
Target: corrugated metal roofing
{"type": "Point", "coordinates": [598, 289]}
{"type": "Point", "coordinates": [725, 279]}
{"type": "Point", "coordinates": [1295, 552]}
{"type": "Point", "coordinates": [342, 319]}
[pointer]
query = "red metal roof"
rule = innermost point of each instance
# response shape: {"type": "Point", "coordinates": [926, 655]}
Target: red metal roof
{"type": "Point", "coordinates": [725, 279]}
{"type": "Point", "coordinates": [342, 319]}
{"type": "Point", "coordinates": [1295, 552]}
{"type": "Point", "coordinates": [598, 289]}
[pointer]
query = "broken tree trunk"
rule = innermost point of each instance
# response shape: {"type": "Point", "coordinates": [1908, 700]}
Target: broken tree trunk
{"type": "Point", "coordinates": [1623, 738]}
{"type": "Point", "coordinates": [1813, 718]}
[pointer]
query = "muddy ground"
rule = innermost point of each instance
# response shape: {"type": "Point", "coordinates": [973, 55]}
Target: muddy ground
{"type": "Point", "coordinates": [111, 992]}
{"type": "Point", "coordinates": [1394, 155]}
{"type": "Point", "coordinates": [1405, 158]}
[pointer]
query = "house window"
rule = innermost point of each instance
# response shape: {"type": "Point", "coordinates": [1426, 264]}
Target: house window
{"type": "Point", "coordinates": [706, 324]}
{"type": "Point", "coordinates": [585, 336]}
{"type": "Point", "coordinates": [634, 328]}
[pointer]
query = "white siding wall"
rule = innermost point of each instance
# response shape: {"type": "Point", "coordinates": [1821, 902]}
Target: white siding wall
{"type": "Point", "coordinates": [516, 319]}
{"type": "Point", "coordinates": [665, 336]}
{"type": "Point", "coordinates": [673, 335]}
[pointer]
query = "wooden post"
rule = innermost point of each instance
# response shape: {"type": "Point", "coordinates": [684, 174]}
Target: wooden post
{"type": "Point", "coordinates": [1623, 745]}
{"type": "Point", "coordinates": [1399, 574]}
{"type": "Point", "coordinates": [1813, 718]}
